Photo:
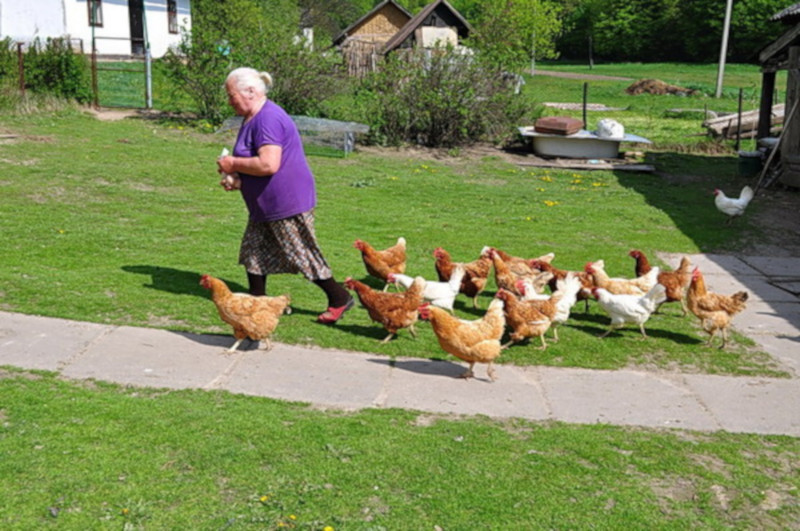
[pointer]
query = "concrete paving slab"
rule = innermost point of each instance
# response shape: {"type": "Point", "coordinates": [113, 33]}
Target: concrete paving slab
{"type": "Point", "coordinates": [786, 350]}
{"type": "Point", "coordinates": [782, 319]}
{"type": "Point", "coordinates": [435, 386]}
{"type": "Point", "coordinates": [722, 264]}
{"type": "Point", "coordinates": [624, 398]}
{"type": "Point", "coordinates": [751, 405]}
{"type": "Point", "coordinates": [756, 287]}
{"type": "Point", "coordinates": [347, 380]}
{"type": "Point", "coordinates": [792, 286]}
{"type": "Point", "coordinates": [154, 358]}
{"type": "Point", "coordinates": [44, 343]}
{"type": "Point", "coordinates": [773, 266]}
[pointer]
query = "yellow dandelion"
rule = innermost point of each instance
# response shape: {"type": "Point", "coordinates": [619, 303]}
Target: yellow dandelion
{"type": "Point", "coordinates": [125, 511]}
{"type": "Point", "coordinates": [546, 179]}
{"type": "Point", "coordinates": [540, 189]}
{"type": "Point", "coordinates": [327, 528]}
{"type": "Point", "coordinates": [393, 178]}
{"type": "Point", "coordinates": [292, 517]}
{"type": "Point", "coordinates": [596, 184]}
{"type": "Point", "coordinates": [264, 498]}
{"type": "Point", "coordinates": [550, 203]}
{"type": "Point", "coordinates": [528, 218]}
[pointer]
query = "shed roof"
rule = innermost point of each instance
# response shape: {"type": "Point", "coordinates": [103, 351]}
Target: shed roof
{"type": "Point", "coordinates": [375, 10]}
{"type": "Point", "coordinates": [790, 12]}
{"type": "Point", "coordinates": [407, 30]}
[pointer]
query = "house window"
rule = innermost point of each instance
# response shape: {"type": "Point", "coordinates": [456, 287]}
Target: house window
{"type": "Point", "coordinates": [172, 15]}
{"type": "Point", "coordinates": [95, 12]}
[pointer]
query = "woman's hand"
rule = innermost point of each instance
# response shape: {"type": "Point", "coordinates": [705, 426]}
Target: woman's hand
{"type": "Point", "coordinates": [225, 164]}
{"type": "Point", "coordinates": [231, 182]}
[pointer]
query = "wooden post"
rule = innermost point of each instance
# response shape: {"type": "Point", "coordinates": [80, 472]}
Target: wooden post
{"type": "Point", "coordinates": [790, 147]}
{"type": "Point", "coordinates": [585, 91]}
{"type": "Point", "coordinates": [739, 123]}
{"type": "Point", "coordinates": [21, 66]}
{"type": "Point", "coordinates": [765, 108]}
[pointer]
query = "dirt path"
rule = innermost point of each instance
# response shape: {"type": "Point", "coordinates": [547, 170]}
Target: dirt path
{"type": "Point", "coordinates": [572, 75]}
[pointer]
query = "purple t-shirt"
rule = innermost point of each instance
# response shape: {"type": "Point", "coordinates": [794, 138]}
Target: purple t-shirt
{"type": "Point", "coordinates": [290, 191]}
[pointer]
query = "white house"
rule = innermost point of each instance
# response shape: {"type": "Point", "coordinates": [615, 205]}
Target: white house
{"type": "Point", "coordinates": [121, 27]}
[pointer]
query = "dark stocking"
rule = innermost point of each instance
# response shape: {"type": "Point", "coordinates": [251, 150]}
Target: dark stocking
{"type": "Point", "coordinates": [337, 295]}
{"type": "Point", "coordinates": [258, 284]}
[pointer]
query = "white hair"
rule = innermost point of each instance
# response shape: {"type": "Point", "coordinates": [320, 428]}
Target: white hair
{"type": "Point", "coordinates": [245, 77]}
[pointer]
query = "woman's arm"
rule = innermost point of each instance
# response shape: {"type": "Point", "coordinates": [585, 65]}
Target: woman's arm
{"type": "Point", "coordinates": [265, 164]}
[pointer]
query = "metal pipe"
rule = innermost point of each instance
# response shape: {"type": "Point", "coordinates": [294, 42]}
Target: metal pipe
{"type": "Point", "coordinates": [724, 48]}
{"type": "Point", "coordinates": [585, 92]}
{"type": "Point", "coordinates": [739, 123]}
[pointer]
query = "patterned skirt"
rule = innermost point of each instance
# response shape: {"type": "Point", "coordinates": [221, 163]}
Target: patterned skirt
{"type": "Point", "coordinates": [284, 246]}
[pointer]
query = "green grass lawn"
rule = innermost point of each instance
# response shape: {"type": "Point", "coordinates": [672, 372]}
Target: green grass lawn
{"type": "Point", "coordinates": [98, 456]}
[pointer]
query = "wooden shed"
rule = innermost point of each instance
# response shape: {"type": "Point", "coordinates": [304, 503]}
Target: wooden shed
{"type": "Point", "coordinates": [361, 42]}
{"type": "Point", "coordinates": [437, 24]}
{"type": "Point", "coordinates": [784, 54]}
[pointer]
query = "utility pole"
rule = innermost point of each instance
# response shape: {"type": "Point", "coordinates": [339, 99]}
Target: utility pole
{"type": "Point", "coordinates": [724, 49]}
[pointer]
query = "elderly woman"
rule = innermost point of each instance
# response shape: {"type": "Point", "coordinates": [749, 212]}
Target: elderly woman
{"type": "Point", "coordinates": [269, 166]}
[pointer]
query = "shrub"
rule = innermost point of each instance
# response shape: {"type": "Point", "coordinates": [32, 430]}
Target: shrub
{"type": "Point", "coordinates": [55, 69]}
{"type": "Point", "coordinates": [440, 99]}
{"type": "Point", "coordinates": [226, 35]}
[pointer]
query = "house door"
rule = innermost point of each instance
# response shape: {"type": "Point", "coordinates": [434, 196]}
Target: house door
{"type": "Point", "coordinates": [136, 15]}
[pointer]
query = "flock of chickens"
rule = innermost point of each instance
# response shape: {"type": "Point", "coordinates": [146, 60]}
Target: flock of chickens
{"type": "Point", "coordinates": [521, 304]}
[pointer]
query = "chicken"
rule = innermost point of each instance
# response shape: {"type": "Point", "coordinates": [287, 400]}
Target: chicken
{"type": "Point", "coordinates": [380, 263]}
{"type": "Point", "coordinates": [527, 318]}
{"type": "Point", "coordinates": [392, 310]}
{"type": "Point", "coordinates": [440, 294]}
{"type": "Point", "coordinates": [476, 273]}
{"type": "Point", "coordinates": [254, 317]}
{"type": "Point", "coordinates": [587, 282]}
{"type": "Point", "coordinates": [634, 309]}
{"type": "Point", "coordinates": [621, 286]}
{"type": "Point", "coordinates": [676, 282]}
{"type": "Point", "coordinates": [733, 207]}
{"type": "Point", "coordinates": [476, 341]}
{"type": "Point", "coordinates": [714, 311]}
{"type": "Point", "coordinates": [532, 287]}
{"type": "Point", "coordinates": [519, 266]}
{"type": "Point", "coordinates": [568, 288]}
{"type": "Point", "coordinates": [506, 278]}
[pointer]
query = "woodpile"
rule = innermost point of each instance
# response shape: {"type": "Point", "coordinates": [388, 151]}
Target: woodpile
{"type": "Point", "coordinates": [727, 126]}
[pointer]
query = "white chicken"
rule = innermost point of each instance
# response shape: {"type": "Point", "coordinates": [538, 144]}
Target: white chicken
{"type": "Point", "coordinates": [440, 294]}
{"type": "Point", "coordinates": [635, 309]}
{"type": "Point", "coordinates": [733, 207]}
{"type": "Point", "coordinates": [567, 288]}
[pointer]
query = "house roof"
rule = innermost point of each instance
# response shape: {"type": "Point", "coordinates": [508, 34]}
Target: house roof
{"type": "Point", "coordinates": [790, 12]}
{"type": "Point", "coordinates": [344, 34]}
{"type": "Point", "coordinates": [774, 55]}
{"type": "Point", "coordinates": [407, 30]}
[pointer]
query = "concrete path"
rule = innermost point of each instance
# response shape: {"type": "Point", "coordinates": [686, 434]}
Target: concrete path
{"type": "Point", "coordinates": [350, 380]}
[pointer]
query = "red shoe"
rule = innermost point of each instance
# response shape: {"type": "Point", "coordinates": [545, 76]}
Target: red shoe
{"type": "Point", "coordinates": [331, 315]}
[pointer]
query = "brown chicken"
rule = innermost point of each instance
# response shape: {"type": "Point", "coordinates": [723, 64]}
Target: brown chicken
{"type": "Point", "coordinates": [714, 311]}
{"type": "Point", "coordinates": [587, 282]}
{"type": "Point", "coordinates": [621, 286]}
{"type": "Point", "coordinates": [380, 263]}
{"type": "Point", "coordinates": [517, 265]}
{"type": "Point", "coordinates": [393, 311]}
{"type": "Point", "coordinates": [528, 318]}
{"type": "Point", "coordinates": [676, 282]}
{"type": "Point", "coordinates": [476, 273]}
{"type": "Point", "coordinates": [475, 341]}
{"type": "Point", "coordinates": [250, 316]}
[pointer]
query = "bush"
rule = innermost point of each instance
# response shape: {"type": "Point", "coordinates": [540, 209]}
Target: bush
{"type": "Point", "coordinates": [226, 35]}
{"type": "Point", "coordinates": [440, 99]}
{"type": "Point", "coordinates": [55, 69]}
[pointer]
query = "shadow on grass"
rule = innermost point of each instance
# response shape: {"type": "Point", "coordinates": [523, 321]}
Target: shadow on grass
{"type": "Point", "coordinates": [176, 281]}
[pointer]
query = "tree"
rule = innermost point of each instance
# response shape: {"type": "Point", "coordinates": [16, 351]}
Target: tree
{"type": "Point", "coordinates": [509, 31]}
